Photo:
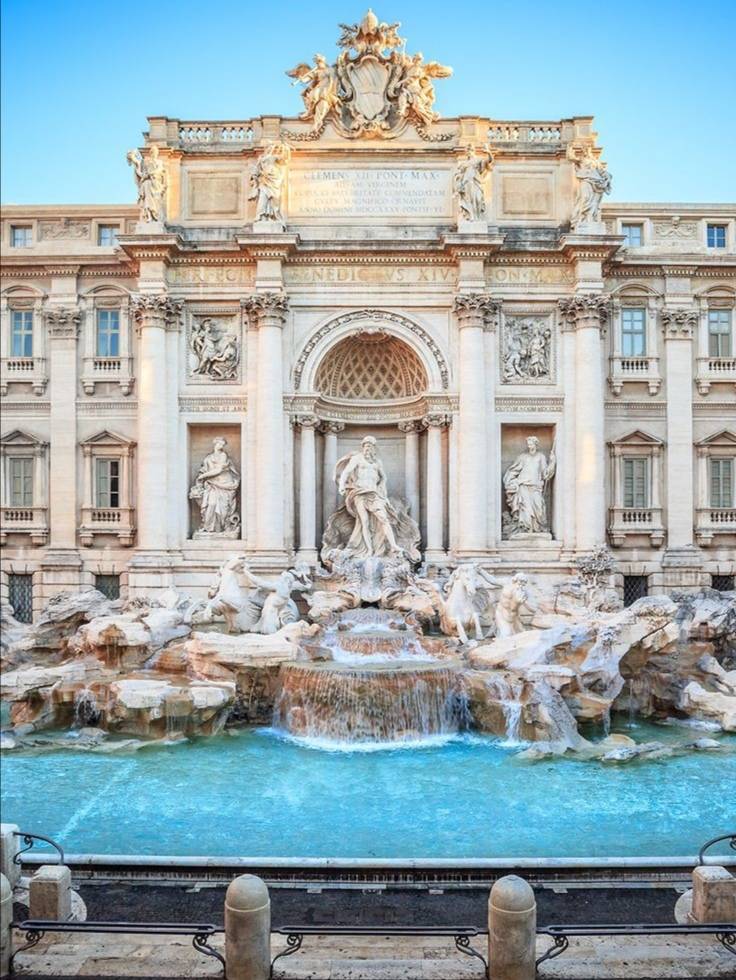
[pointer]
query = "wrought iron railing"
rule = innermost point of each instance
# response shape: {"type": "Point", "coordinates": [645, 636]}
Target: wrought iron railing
{"type": "Point", "coordinates": [731, 838]}
{"type": "Point", "coordinates": [725, 933]}
{"type": "Point", "coordinates": [28, 840]}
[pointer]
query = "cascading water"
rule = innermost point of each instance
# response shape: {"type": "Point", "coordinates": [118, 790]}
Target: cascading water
{"type": "Point", "coordinates": [86, 709]}
{"type": "Point", "coordinates": [340, 703]}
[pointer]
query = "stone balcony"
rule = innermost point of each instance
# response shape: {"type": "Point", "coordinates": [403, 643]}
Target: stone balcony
{"type": "Point", "coordinates": [715, 370]}
{"type": "Point", "coordinates": [115, 369]}
{"type": "Point", "coordinates": [714, 521]}
{"type": "Point", "coordinates": [31, 521]}
{"type": "Point", "coordinates": [629, 522]}
{"type": "Point", "coordinates": [644, 368]}
{"type": "Point", "coordinates": [118, 521]}
{"type": "Point", "coordinates": [26, 370]}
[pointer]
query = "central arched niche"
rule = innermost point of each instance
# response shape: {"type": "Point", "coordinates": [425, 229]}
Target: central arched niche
{"type": "Point", "coordinates": [371, 367]}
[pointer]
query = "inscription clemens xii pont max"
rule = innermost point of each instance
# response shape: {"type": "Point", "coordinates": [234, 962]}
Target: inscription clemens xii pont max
{"type": "Point", "coordinates": [370, 193]}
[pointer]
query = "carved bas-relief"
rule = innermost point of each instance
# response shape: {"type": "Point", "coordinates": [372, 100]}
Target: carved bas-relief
{"type": "Point", "coordinates": [594, 181]}
{"type": "Point", "coordinates": [468, 186]}
{"type": "Point", "coordinates": [526, 352]}
{"type": "Point", "coordinates": [375, 91]}
{"type": "Point", "coordinates": [151, 180]}
{"type": "Point", "coordinates": [526, 484]}
{"type": "Point", "coordinates": [216, 491]}
{"type": "Point", "coordinates": [215, 351]}
{"type": "Point", "coordinates": [267, 180]}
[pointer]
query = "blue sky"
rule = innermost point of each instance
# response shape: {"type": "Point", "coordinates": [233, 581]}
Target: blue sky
{"type": "Point", "coordinates": [79, 79]}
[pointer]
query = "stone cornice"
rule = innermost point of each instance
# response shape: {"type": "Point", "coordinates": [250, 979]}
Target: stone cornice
{"type": "Point", "coordinates": [158, 247]}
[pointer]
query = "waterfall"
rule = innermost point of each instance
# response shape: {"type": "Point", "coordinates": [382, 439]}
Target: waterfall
{"type": "Point", "coordinates": [86, 709]}
{"type": "Point", "coordinates": [359, 704]}
{"type": "Point", "coordinates": [512, 713]}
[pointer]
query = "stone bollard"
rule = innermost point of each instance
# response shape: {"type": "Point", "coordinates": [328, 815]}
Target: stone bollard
{"type": "Point", "coordinates": [9, 847]}
{"type": "Point", "coordinates": [714, 895]}
{"type": "Point", "coordinates": [512, 930]}
{"type": "Point", "coordinates": [50, 893]}
{"type": "Point", "coordinates": [6, 933]}
{"type": "Point", "coordinates": [247, 929]}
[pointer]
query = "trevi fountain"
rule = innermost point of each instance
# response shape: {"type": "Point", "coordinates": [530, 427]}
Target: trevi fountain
{"type": "Point", "coordinates": [364, 708]}
{"type": "Point", "coordinates": [368, 491]}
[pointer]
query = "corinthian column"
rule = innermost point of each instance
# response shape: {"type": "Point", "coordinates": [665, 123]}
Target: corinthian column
{"type": "Point", "coordinates": [63, 329]}
{"type": "Point", "coordinates": [475, 313]}
{"type": "Point", "coordinates": [678, 326]}
{"type": "Point", "coordinates": [268, 310]}
{"type": "Point", "coordinates": [329, 489]}
{"type": "Point", "coordinates": [587, 313]}
{"type": "Point", "coordinates": [435, 545]}
{"type": "Point", "coordinates": [307, 489]}
{"type": "Point", "coordinates": [153, 313]}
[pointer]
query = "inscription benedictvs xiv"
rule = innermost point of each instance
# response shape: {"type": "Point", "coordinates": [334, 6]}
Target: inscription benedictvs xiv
{"type": "Point", "coordinates": [388, 192]}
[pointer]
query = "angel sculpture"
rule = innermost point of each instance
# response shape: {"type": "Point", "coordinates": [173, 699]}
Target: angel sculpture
{"type": "Point", "coordinates": [321, 92]}
{"type": "Point", "coordinates": [411, 83]}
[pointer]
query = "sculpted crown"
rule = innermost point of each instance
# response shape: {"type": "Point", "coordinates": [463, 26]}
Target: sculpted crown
{"type": "Point", "coordinates": [584, 306]}
{"type": "Point", "coordinates": [152, 307]}
{"type": "Point", "coordinates": [373, 89]}
{"type": "Point", "coordinates": [264, 304]}
{"type": "Point", "coordinates": [679, 322]}
{"type": "Point", "coordinates": [473, 307]}
{"type": "Point", "coordinates": [63, 322]}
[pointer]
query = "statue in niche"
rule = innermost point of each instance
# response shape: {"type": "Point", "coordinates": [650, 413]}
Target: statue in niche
{"type": "Point", "coordinates": [594, 181]}
{"type": "Point", "coordinates": [526, 351]}
{"type": "Point", "coordinates": [216, 491]}
{"type": "Point", "coordinates": [216, 352]}
{"type": "Point", "coordinates": [368, 525]}
{"type": "Point", "coordinates": [267, 182]}
{"type": "Point", "coordinates": [151, 180]}
{"type": "Point", "coordinates": [467, 183]}
{"type": "Point", "coordinates": [525, 483]}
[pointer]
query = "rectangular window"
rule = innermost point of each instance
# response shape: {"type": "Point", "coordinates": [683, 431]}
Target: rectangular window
{"type": "Point", "coordinates": [635, 587]}
{"type": "Point", "coordinates": [636, 482]}
{"type": "Point", "coordinates": [716, 236]}
{"type": "Point", "coordinates": [107, 482]}
{"type": "Point", "coordinates": [632, 235]}
{"type": "Point", "coordinates": [20, 478]}
{"type": "Point", "coordinates": [723, 583]}
{"type": "Point", "coordinates": [107, 235]}
{"type": "Point", "coordinates": [21, 333]}
{"type": "Point", "coordinates": [20, 597]}
{"type": "Point", "coordinates": [633, 332]}
{"type": "Point", "coordinates": [108, 585]}
{"type": "Point", "coordinates": [108, 333]}
{"type": "Point", "coordinates": [21, 236]}
{"type": "Point", "coordinates": [721, 483]}
{"type": "Point", "coordinates": [719, 333]}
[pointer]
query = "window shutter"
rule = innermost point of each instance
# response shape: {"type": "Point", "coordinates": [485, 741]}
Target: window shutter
{"type": "Point", "coordinates": [640, 483]}
{"type": "Point", "coordinates": [628, 483]}
{"type": "Point", "coordinates": [727, 483]}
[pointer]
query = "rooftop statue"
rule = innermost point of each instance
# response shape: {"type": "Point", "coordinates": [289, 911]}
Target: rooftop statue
{"type": "Point", "coordinates": [267, 182]}
{"type": "Point", "coordinates": [374, 91]}
{"type": "Point", "coordinates": [151, 180]}
{"type": "Point", "coordinates": [594, 181]}
{"type": "Point", "coordinates": [467, 183]}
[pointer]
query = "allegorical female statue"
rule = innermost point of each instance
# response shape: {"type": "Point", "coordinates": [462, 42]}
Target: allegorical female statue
{"type": "Point", "coordinates": [216, 490]}
{"type": "Point", "coordinates": [467, 184]}
{"type": "Point", "coordinates": [151, 180]}
{"type": "Point", "coordinates": [525, 483]}
{"type": "Point", "coordinates": [593, 182]}
{"type": "Point", "coordinates": [267, 182]}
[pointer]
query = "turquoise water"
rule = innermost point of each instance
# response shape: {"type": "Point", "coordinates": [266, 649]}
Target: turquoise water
{"type": "Point", "coordinates": [255, 794]}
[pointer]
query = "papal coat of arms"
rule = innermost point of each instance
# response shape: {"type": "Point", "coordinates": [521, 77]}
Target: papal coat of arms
{"type": "Point", "coordinates": [374, 88]}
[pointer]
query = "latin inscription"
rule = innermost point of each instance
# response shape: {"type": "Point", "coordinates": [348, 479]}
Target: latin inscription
{"type": "Point", "coordinates": [367, 274]}
{"type": "Point", "coordinates": [202, 275]}
{"type": "Point", "coordinates": [524, 275]}
{"type": "Point", "coordinates": [375, 193]}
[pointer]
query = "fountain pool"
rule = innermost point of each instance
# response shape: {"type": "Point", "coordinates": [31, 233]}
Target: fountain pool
{"type": "Point", "coordinates": [256, 793]}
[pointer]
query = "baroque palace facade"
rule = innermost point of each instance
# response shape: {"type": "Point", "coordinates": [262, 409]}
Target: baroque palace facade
{"type": "Point", "coordinates": [180, 377]}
